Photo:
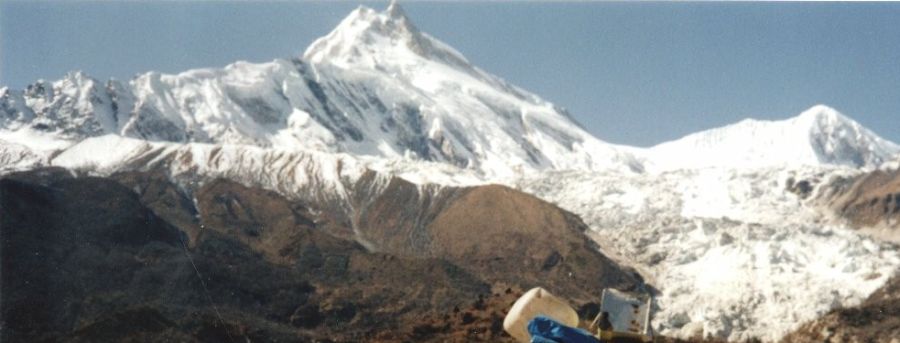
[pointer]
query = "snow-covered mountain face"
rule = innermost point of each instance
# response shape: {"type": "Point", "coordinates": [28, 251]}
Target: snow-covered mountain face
{"type": "Point", "coordinates": [818, 136]}
{"type": "Point", "coordinates": [712, 220]}
{"type": "Point", "coordinates": [374, 86]}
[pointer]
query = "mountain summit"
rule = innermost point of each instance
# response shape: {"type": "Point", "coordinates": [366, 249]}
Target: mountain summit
{"type": "Point", "coordinates": [837, 139]}
{"type": "Point", "coordinates": [374, 86]}
{"type": "Point", "coordinates": [819, 135]}
{"type": "Point", "coordinates": [377, 86]}
{"type": "Point", "coordinates": [371, 39]}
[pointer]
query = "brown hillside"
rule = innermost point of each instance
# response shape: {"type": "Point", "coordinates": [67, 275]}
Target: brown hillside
{"type": "Point", "coordinates": [221, 262]}
{"type": "Point", "coordinates": [876, 320]}
{"type": "Point", "coordinates": [871, 200]}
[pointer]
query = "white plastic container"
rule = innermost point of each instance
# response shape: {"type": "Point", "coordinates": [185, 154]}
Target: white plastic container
{"type": "Point", "coordinates": [533, 303]}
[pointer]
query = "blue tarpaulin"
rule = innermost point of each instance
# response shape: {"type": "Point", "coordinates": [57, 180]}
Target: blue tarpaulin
{"type": "Point", "coordinates": [546, 330]}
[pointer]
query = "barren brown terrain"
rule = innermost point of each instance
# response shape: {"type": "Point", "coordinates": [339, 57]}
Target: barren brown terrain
{"type": "Point", "coordinates": [134, 257]}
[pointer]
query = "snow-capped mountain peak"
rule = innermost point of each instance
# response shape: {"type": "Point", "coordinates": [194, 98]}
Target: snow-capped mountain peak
{"type": "Point", "coordinates": [371, 39]}
{"type": "Point", "coordinates": [819, 135]}
{"type": "Point", "coordinates": [374, 86]}
{"type": "Point", "coordinates": [74, 106]}
{"type": "Point", "coordinates": [837, 139]}
{"type": "Point", "coordinates": [821, 111]}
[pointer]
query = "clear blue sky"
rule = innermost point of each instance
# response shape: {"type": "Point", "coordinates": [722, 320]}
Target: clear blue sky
{"type": "Point", "coordinates": [631, 73]}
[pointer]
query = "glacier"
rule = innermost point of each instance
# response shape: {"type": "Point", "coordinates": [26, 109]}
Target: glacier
{"type": "Point", "coordinates": [735, 255]}
{"type": "Point", "coordinates": [707, 219]}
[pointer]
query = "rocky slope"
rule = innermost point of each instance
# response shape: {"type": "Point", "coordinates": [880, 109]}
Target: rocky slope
{"type": "Point", "coordinates": [875, 320]}
{"type": "Point", "coordinates": [868, 201]}
{"type": "Point", "coordinates": [231, 263]}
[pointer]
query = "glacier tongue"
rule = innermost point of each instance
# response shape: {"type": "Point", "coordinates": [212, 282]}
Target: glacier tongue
{"type": "Point", "coordinates": [733, 254]}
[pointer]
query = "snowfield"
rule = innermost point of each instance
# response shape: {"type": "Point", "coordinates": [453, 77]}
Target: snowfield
{"type": "Point", "coordinates": [709, 220]}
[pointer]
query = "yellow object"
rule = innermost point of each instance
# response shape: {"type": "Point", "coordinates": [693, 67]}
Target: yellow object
{"type": "Point", "coordinates": [537, 301]}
